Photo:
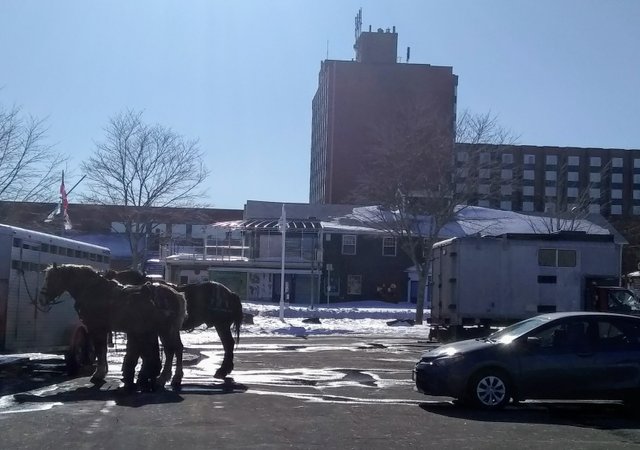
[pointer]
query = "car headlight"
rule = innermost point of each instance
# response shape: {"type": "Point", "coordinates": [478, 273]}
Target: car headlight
{"type": "Point", "coordinates": [446, 360]}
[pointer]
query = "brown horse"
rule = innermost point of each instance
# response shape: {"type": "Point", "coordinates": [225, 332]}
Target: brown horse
{"type": "Point", "coordinates": [144, 312]}
{"type": "Point", "coordinates": [209, 303]}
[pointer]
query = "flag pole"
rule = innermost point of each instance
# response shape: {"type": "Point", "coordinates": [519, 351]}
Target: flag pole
{"type": "Point", "coordinates": [62, 200]}
{"type": "Point", "coordinates": [283, 229]}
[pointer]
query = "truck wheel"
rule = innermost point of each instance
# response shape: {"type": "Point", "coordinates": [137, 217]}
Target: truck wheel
{"type": "Point", "coordinates": [489, 389]}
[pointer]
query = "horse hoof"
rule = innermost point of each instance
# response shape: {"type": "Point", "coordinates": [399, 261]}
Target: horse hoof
{"type": "Point", "coordinates": [96, 380]}
{"type": "Point", "coordinates": [128, 388]}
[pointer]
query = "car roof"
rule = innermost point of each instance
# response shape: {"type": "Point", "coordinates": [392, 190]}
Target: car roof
{"type": "Point", "coordinates": [562, 315]}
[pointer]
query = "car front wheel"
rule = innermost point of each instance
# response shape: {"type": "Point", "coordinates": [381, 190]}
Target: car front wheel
{"type": "Point", "coordinates": [489, 389]}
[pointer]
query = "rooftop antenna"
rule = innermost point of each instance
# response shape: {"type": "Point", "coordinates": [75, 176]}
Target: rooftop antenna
{"type": "Point", "coordinates": [408, 53]}
{"type": "Point", "coordinates": [358, 22]}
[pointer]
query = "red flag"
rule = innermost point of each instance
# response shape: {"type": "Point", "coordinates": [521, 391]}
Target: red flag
{"type": "Point", "coordinates": [63, 196]}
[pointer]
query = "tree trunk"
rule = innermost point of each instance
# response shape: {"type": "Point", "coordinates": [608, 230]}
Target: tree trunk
{"type": "Point", "coordinates": [423, 272]}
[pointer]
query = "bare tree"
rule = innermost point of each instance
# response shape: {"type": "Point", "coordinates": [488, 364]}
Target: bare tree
{"type": "Point", "coordinates": [411, 173]}
{"type": "Point", "coordinates": [140, 166]}
{"type": "Point", "coordinates": [29, 167]}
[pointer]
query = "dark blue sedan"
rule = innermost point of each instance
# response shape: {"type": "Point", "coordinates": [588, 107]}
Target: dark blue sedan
{"type": "Point", "coordinates": [579, 355]}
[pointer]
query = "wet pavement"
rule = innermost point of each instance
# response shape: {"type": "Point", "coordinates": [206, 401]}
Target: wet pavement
{"type": "Point", "coordinates": [286, 392]}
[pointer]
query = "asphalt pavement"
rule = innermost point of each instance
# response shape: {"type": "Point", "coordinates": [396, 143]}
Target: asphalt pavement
{"type": "Point", "coordinates": [286, 392]}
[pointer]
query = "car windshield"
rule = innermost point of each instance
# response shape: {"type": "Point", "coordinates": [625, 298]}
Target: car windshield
{"type": "Point", "coordinates": [508, 334]}
{"type": "Point", "coordinates": [623, 300]}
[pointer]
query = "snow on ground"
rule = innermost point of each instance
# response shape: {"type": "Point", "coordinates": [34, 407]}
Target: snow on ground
{"type": "Point", "coordinates": [354, 318]}
{"type": "Point", "coordinates": [365, 318]}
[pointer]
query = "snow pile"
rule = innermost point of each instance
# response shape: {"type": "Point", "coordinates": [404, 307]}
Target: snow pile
{"type": "Point", "coordinates": [354, 318]}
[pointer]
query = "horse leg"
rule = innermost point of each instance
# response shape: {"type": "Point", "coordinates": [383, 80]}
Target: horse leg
{"type": "Point", "coordinates": [226, 338]}
{"type": "Point", "coordinates": [165, 375]}
{"type": "Point", "coordinates": [151, 363]}
{"type": "Point", "coordinates": [99, 340]}
{"type": "Point", "coordinates": [178, 349]}
{"type": "Point", "coordinates": [130, 360]}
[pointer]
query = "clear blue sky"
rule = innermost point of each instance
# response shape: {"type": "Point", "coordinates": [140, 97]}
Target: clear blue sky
{"type": "Point", "coordinates": [240, 75]}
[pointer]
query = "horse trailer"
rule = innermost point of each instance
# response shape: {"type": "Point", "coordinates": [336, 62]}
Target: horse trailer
{"type": "Point", "coordinates": [25, 325]}
{"type": "Point", "coordinates": [497, 280]}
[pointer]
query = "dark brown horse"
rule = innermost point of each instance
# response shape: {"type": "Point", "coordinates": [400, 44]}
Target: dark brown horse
{"type": "Point", "coordinates": [209, 303]}
{"type": "Point", "coordinates": [144, 312]}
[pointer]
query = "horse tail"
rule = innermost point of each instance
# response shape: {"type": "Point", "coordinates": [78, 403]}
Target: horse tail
{"type": "Point", "coordinates": [236, 308]}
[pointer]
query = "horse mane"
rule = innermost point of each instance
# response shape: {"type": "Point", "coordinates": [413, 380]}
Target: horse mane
{"type": "Point", "coordinates": [85, 269]}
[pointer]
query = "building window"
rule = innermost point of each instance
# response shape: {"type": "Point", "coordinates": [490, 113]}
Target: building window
{"type": "Point", "coordinates": [484, 173]}
{"type": "Point", "coordinates": [507, 158]}
{"type": "Point", "coordinates": [616, 193]}
{"type": "Point", "coordinates": [572, 176]}
{"type": "Point", "coordinates": [483, 189]}
{"type": "Point", "coordinates": [529, 159]}
{"type": "Point", "coordinates": [594, 208]}
{"type": "Point", "coordinates": [573, 161]}
{"type": "Point", "coordinates": [354, 284]}
{"type": "Point", "coordinates": [616, 162]}
{"type": "Point", "coordinates": [636, 210]}
{"type": "Point", "coordinates": [506, 190]}
{"type": "Point", "coordinates": [616, 209]}
{"type": "Point", "coordinates": [389, 246]}
{"type": "Point", "coordinates": [636, 163]}
{"type": "Point", "coordinates": [348, 244]}
{"type": "Point", "coordinates": [616, 178]}
{"type": "Point", "coordinates": [528, 175]}
{"type": "Point", "coordinates": [527, 206]}
{"type": "Point", "coordinates": [527, 190]}
{"type": "Point", "coordinates": [572, 192]}
{"type": "Point", "coordinates": [485, 158]}
{"type": "Point", "coordinates": [595, 161]}
{"type": "Point", "coordinates": [551, 160]}
{"type": "Point", "coordinates": [506, 174]}
{"type": "Point", "coordinates": [554, 257]}
{"type": "Point", "coordinates": [462, 156]}
{"type": "Point", "coordinates": [594, 177]}
{"type": "Point", "coordinates": [594, 194]}
{"type": "Point", "coordinates": [484, 203]}
{"type": "Point", "coordinates": [551, 175]}
{"type": "Point", "coordinates": [550, 191]}
{"type": "Point", "coordinates": [505, 205]}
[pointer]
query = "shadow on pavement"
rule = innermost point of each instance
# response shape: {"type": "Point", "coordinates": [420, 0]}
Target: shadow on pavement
{"type": "Point", "coordinates": [32, 374]}
{"type": "Point", "coordinates": [120, 397]}
{"type": "Point", "coordinates": [598, 415]}
{"type": "Point", "coordinates": [227, 386]}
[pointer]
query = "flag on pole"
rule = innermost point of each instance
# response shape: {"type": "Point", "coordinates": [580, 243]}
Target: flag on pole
{"type": "Point", "coordinates": [61, 208]}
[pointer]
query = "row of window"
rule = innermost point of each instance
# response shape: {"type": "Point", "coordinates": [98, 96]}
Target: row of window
{"type": "Point", "coordinates": [59, 250]}
{"type": "Point", "coordinates": [550, 160]}
{"type": "Point", "coordinates": [27, 266]}
{"type": "Point", "coordinates": [389, 245]}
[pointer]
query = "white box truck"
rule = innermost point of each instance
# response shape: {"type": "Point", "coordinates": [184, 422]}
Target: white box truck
{"type": "Point", "coordinates": [494, 281]}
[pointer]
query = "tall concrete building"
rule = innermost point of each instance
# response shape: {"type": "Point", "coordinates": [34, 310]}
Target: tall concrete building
{"type": "Point", "coordinates": [356, 97]}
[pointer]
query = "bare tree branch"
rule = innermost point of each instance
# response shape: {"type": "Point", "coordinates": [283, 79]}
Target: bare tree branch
{"type": "Point", "coordinates": [140, 166]}
{"type": "Point", "coordinates": [410, 172]}
{"type": "Point", "coordinates": [29, 168]}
